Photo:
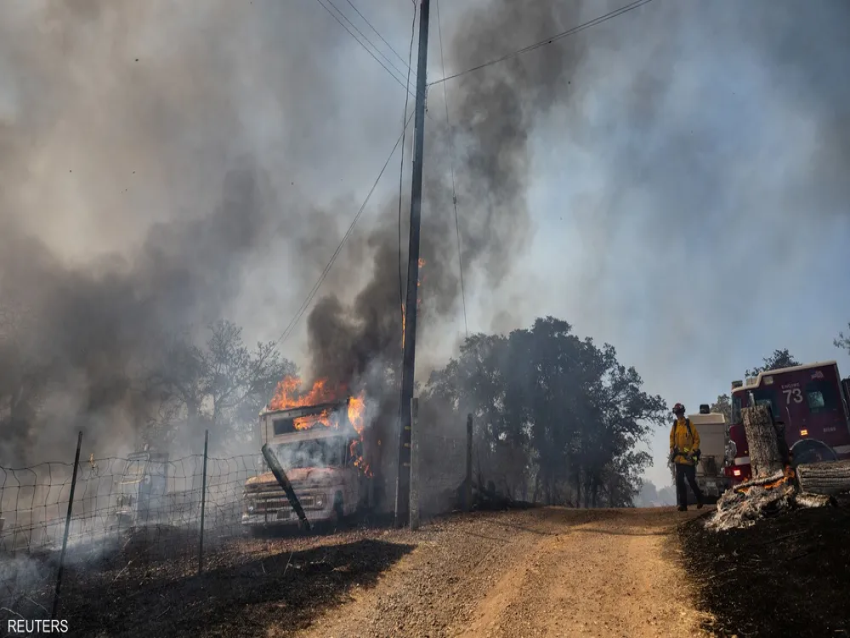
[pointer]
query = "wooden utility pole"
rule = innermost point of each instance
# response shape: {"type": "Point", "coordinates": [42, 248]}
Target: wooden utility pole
{"type": "Point", "coordinates": [402, 493]}
{"type": "Point", "coordinates": [415, 464]}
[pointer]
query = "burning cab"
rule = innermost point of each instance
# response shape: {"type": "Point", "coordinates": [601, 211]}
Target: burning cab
{"type": "Point", "coordinates": [318, 448]}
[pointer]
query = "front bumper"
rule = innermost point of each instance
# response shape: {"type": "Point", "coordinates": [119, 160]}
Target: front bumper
{"type": "Point", "coordinates": [713, 487]}
{"type": "Point", "coordinates": [283, 518]}
{"type": "Point", "coordinates": [275, 511]}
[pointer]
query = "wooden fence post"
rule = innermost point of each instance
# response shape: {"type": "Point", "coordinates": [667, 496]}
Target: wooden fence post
{"type": "Point", "coordinates": [61, 569]}
{"type": "Point", "coordinates": [467, 496]}
{"type": "Point", "coordinates": [203, 504]}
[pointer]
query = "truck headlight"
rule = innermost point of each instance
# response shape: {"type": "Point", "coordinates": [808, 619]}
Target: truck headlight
{"type": "Point", "coordinates": [250, 509]}
{"type": "Point", "coordinates": [320, 501]}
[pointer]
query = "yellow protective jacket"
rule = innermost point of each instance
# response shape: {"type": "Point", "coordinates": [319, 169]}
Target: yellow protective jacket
{"type": "Point", "coordinates": [682, 442]}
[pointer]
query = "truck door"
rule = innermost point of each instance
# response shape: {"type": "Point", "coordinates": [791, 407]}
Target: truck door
{"type": "Point", "coordinates": [152, 489]}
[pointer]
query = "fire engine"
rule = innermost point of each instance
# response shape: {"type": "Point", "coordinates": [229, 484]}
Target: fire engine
{"type": "Point", "coordinates": [810, 400]}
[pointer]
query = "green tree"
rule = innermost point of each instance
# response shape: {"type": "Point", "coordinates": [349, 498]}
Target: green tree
{"type": "Point", "coordinates": [843, 341]}
{"type": "Point", "coordinates": [553, 409]}
{"type": "Point", "coordinates": [220, 384]}
{"type": "Point", "coordinates": [779, 359]}
{"type": "Point", "coordinates": [723, 406]}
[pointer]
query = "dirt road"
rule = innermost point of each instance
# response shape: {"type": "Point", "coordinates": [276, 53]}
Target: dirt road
{"type": "Point", "coordinates": [546, 572]}
{"type": "Point", "coordinates": [540, 573]}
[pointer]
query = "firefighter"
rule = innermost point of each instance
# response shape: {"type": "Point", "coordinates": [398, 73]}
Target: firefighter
{"type": "Point", "coordinates": [684, 453]}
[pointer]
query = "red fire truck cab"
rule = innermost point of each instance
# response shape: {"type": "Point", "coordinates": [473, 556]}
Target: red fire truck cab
{"type": "Point", "coordinates": [812, 402]}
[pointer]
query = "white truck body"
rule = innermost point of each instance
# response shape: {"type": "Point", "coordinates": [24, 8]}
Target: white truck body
{"type": "Point", "coordinates": [319, 463]}
{"type": "Point", "coordinates": [713, 433]}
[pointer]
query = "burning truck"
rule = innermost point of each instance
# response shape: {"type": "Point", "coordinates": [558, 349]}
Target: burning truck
{"type": "Point", "coordinates": [319, 444]}
{"type": "Point", "coordinates": [812, 404]}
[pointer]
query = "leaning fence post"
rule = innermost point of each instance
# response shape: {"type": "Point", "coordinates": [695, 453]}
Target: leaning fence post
{"type": "Point", "coordinates": [467, 496]}
{"type": "Point", "coordinates": [67, 528]}
{"type": "Point", "coordinates": [414, 464]}
{"type": "Point", "coordinates": [203, 503]}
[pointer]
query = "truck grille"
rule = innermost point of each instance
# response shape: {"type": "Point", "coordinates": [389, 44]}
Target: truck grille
{"type": "Point", "coordinates": [275, 504]}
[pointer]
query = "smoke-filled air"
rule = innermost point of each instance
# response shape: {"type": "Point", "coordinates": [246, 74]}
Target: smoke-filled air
{"type": "Point", "coordinates": [175, 178]}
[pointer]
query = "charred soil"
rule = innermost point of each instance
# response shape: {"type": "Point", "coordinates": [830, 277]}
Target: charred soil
{"type": "Point", "coordinates": [247, 584]}
{"type": "Point", "coordinates": [537, 572]}
{"type": "Point", "coordinates": [785, 576]}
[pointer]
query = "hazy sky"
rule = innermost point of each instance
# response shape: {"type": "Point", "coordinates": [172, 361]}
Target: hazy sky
{"type": "Point", "coordinates": [681, 170]}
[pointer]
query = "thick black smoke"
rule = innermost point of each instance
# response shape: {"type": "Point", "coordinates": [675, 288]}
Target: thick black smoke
{"type": "Point", "coordinates": [492, 112]}
{"type": "Point", "coordinates": [140, 187]}
{"type": "Point", "coordinates": [120, 120]}
{"type": "Point", "coordinates": [86, 333]}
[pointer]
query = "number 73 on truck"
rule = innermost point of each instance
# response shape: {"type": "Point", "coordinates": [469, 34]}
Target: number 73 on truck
{"type": "Point", "coordinates": [811, 401]}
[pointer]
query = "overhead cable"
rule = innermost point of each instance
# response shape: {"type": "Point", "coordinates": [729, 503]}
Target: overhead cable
{"type": "Point", "coordinates": [306, 304]}
{"type": "Point", "coordinates": [547, 41]}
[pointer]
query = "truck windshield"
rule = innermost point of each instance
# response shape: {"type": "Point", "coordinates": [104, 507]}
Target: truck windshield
{"type": "Point", "coordinates": [316, 453]}
{"type": "Point", "coordinates": [821, 397]}
{"type": "Point", "coordinates": [134, 471]}
{"type": "Point", "coordinates": [763, 396]}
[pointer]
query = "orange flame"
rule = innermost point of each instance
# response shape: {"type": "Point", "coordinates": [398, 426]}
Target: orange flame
{"type": "Point", "coordinates": [288, 394]}
{"type": "Point", "coordinates": [356, 416]}
{"type": "Point", "coordinates": [788, 476]}
{"type": "Point", "coordinates": [419, 281]}
{"type": "Point", "coordinates": [307, 422]}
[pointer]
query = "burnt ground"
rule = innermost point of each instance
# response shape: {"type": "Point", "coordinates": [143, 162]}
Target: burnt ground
{"type": "Point", "coordinates": [786, 576]}
{"type": "Point", "coordinates": [537, 572]}
{"type": "Point", "coordinates": [547, 572]}
{"type": "Point", "coordinates": [247, 583]}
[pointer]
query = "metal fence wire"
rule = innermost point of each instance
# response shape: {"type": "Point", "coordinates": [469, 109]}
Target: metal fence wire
{"type": "Point", "coordinates": [109, 500]}
{"type": "Point", "coordinates": [140, 518]}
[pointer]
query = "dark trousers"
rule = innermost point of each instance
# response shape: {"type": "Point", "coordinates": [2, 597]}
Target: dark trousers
{"type": "Point", "coordinates": [688, 472]}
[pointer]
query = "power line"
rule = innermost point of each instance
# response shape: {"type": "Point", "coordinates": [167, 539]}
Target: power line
{"type": "Point", "coordinates": [362, 35]}
{"type": "Point", "coordinates": [550, 40]}
{"type": "Point", "coordinates": [378, 34]}
{"type": "Point", "coordinates": [452, 165]}
{"type": "Point", "coordinates": [386, 68]}
{"type": "Point", "coordinates": [303, 308]}
{"type": "Point", "coordinates": [401, 171]}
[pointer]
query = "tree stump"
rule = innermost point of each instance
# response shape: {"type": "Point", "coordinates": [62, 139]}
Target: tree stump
{"type": "Point", "coordinates": [765, 457]}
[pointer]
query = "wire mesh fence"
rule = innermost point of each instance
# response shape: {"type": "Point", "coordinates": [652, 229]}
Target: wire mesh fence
{"type": "Point", "coordinates": [137, 520]}
{"type": "Point", "coordinates": [142, 511]}
{"type": "Point", "coordinates": [115, 495]}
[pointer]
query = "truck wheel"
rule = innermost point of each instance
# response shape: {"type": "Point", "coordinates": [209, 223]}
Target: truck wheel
{"type": "Point", "coordinates": [811, 451]}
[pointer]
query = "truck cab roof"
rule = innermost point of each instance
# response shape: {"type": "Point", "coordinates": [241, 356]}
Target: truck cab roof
{"type": "Point", "coordinates": [713, 418]}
